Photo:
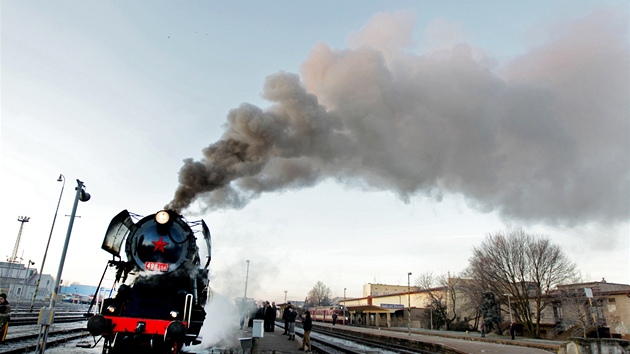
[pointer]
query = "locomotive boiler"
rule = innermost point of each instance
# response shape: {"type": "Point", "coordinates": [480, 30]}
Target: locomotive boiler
{"type": "Point", "coordinates": [162, 284]}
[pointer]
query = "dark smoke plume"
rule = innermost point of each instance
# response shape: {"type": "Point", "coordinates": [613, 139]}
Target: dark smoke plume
{"type": "Point", "coordinates": [545, 138]}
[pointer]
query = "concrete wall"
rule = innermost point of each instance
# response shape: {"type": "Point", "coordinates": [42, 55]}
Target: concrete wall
{"type": "Point", "coordinates": [595, 346]}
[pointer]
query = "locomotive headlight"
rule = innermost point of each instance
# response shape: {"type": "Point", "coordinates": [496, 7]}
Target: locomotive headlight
{"type": "Point", "coordinates": [111, 308]}
{"type": "Point", "coordinates": [162, 217]}
{"type": "Point", "coordinates": [174, 314]}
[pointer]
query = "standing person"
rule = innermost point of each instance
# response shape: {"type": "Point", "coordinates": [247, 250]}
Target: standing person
{"type": "Point", "coordinates": [5, 316]}
{"type": "Point", "coordinates": [483, 329]}
{"type": "Point", "coordinates": [269, 317]}
{"type": "Point", "coordinates": [275, 315]}
{"type": "Point", "coordinates": [334, 317]}
{"type": "Point", "coordinates": [512, 330]}
{"type": "Point", "coordinates": [285, 317]}
{"type": "Point", "coordinates": [307, 325]}
{"type": "Point", "coordinates": [292, 316]}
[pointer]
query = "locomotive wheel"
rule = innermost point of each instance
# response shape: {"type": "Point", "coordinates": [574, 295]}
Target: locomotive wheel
{"type": "Point", "coordinates": [173, 347]}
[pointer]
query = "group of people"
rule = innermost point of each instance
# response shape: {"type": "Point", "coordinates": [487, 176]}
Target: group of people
{"type": "Point", "coordinates": [289, 315]}
{"type": "Point", "coordinates": [267, 313]}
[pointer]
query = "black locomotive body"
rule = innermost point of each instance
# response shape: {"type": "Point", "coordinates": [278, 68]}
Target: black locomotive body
{"type": "Point", "coordinates": [162, 307]}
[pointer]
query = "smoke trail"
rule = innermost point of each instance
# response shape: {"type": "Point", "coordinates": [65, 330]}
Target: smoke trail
{"type": "Point", "coordinates": [544, 138]}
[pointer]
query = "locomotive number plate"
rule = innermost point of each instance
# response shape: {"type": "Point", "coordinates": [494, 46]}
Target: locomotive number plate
{"type": "Point", "coordinates": [162, 267]}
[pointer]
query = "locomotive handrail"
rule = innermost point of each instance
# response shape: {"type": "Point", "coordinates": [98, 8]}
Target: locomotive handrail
{"type": "Point", "coordinates": [188, 309]}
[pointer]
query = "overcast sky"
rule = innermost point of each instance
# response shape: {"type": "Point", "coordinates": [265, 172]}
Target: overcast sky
{"type": "Point", "coordinates": [374, 138]}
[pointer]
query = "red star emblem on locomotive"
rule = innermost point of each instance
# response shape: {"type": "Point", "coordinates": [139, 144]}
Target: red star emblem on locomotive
{"type": "Point", "coordinates": [159, 245]}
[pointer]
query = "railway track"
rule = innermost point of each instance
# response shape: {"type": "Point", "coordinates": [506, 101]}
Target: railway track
{"type": "Point", "coordinates": [25, 321]}
{"type": "Point", "coordinates": [22, 337]}
{"type": "Point", "coordinates": [332, 343]}
{"type": "Point", "coordinates": [335, 343]}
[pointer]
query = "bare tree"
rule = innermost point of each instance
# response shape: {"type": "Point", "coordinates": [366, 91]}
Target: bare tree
{"type": "Point", "coordinates": [319, 295]}
{"type": "Point", "coordinates": [525, 266]}
{"type": "Point", "coordinates": [474, 292]}
{"type": "Point", "coordinates": [444, 293]}
{"type": "Point", "coordinates": [574, 310]}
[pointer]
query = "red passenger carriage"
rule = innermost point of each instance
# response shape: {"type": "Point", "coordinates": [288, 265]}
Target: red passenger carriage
{"type": "Point", "coordinates": [325, 314]}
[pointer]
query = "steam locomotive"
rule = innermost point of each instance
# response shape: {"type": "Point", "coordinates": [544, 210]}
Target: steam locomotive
{"type": "Point", "coordinates": [161, 308]}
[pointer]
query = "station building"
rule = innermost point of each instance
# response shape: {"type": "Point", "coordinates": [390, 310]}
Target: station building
{"type": "Point", "coordinates": [573, 311]}
{"type": "Point", "coordinates": [386, 305]}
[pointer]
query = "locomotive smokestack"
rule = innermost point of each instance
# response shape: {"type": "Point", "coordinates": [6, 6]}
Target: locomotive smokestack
{"type": "Point", "coordinates": [542, 139]}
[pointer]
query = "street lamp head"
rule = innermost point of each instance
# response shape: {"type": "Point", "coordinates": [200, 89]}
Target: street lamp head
{"type": "Point", "coordinates": [409, 273]}
{"type": "Point", "coordinates": [61, 178]}
{"type": "Point", "coordinates": [85, 196]}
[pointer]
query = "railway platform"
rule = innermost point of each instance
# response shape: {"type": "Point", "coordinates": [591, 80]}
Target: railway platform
{"type": "Point", "coordinates": [274, 342]}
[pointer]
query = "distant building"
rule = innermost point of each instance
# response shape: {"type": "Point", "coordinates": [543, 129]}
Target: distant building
{"type": "Point", "coordinates": [393, 309]}
{"type": "Point", "coordinates": [582, 307]}
{"type": "Point", "coordinates": [370, 289]}
{"type": "Point", "coordinates": [19, 281]}
{"type": "Point", "coordinates": [574, 311]}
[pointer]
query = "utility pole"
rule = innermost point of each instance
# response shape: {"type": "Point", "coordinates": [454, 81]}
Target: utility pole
{"type": "Point", "coordinates": [409, 303]}
{"type": "Point", "coordinates": [246, 278]}
{"type": "Point", "coordinates": [345, 307]}
{"type": "Point", "coordinates": [46, 314]}
{"type": "Point", "coordinates": [61, 178]}
{"type": "Point", "coordinates": [28, 267]}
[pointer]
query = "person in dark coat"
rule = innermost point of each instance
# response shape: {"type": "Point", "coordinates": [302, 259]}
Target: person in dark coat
{"type": "Point", "coordinates": [253, 312]}
{"type": "Point", "coordinates": [292, 316]}
{"type": "Point", "coordinates": [5, 316]}
{"type": "Point", "coordinates": [285, 317]}
{"type": "Point", "coordinates": [269, 317]}
{"type": "Point", "coordinates": [307, 326]}
{"type": "Point", "coordinates": [275, 314]}
{"type": "Point", "coordinates": [512, 330]}
{"type": "Point", "coordinates": [334, 319]}
{"type": "Point", "coordinates": [260, 313]}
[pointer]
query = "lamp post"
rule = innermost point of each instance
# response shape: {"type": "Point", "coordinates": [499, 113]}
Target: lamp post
{"type": "Point", "coordinates": [345, 308]}
{"type": "Point", "coordinates": [61, 178]}
{"type": "Point", "coordinates": [285, 296]}
{"type": "Point", "coordinates": [409, 303]}
{"type": "Point", "coordinates": [28, 267]}
{"type": "Point", "coordinates": [246, 278]}
{"type": "Point", "coordinates": [46, 314]}
{"type": "Point", "coordinates": [509, 307]}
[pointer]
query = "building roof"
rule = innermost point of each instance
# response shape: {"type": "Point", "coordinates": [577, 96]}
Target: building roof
{"type": "Point", "coordinates": [372, 308]}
